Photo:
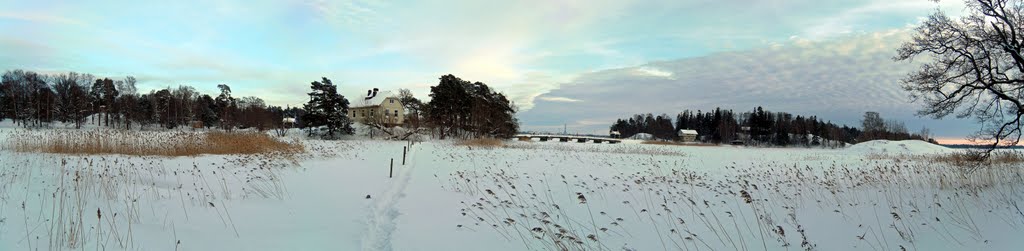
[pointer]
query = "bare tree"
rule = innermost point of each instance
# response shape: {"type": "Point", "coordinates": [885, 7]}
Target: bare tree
{"type": "Point", "coordinates": [974, 67]}
{"type": "Point", "coordinates": [384, 126]}
{"type": "Point", "coordinates": [413, 108]}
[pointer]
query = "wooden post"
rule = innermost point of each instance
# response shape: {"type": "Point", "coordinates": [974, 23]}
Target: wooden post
{"type": "Point", "coordinates": [391, 174]}
{"type": "Point", "coordinates": [404, 149]}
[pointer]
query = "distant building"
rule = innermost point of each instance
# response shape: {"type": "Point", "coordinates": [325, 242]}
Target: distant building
{"type": "Point", "coordinates": [377, 106]}
{"type": "Point", "coordinates": [288, 122]}
{"type": "Point", "coordinates": [688, 135]}
{"type": "Point", "coordinates": [615, 134]}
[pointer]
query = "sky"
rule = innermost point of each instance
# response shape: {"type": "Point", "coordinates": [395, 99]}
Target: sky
{"type": "Point", "coordinates": [574, 65]}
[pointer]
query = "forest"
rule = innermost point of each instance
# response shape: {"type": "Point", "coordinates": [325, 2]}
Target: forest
{"type": "Point", "coordinates": [763, 127]}
{"type": "Point", "coordinates": [32, 99]}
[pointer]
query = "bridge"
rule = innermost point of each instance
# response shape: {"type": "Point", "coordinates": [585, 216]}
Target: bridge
{"type": "Point", "coordinates": [567, 138]}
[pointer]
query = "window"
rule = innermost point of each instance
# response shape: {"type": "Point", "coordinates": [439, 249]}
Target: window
{"type": "Point", "coordinates": [392, 101]}
{"type": "Point", "coordinates": [396, 113]}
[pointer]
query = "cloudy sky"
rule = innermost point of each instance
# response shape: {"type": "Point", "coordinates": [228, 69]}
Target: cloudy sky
{"type": "Point", "coordinates": [578, 64]}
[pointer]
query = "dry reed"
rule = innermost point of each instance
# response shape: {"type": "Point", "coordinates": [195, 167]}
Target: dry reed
{"type": "Point", "coordinates": [673, 143]}
{"type": "Point", "coordinates": [972, 158]}
{"type": "Point", "coordinates": [482, 142]}
{"type": "Point", "coordinates": [148, 143]}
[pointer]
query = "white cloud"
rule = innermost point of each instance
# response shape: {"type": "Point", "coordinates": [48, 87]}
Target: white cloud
{"type": "Point", "coordinates": [559, 99]}
{"type": "Point", "coordinates": [654, 72]}
{"type": "Point", "coordinates": [836, 80]}
{"type": "Point", "coordinates": [852, 20]}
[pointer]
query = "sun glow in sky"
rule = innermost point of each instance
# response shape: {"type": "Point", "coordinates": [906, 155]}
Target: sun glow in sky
{"type": "Point", "coordinates": [574, 63]}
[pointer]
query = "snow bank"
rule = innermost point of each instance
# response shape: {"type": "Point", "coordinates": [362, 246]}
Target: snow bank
{"type": "Point", "coordinates": [642, 136]}
{"type": "Point", "coordinates": [898, 147]}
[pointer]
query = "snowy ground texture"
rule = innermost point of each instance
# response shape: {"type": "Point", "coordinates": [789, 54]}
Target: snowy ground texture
{"type": "Point", "coordinates": [524, 196]}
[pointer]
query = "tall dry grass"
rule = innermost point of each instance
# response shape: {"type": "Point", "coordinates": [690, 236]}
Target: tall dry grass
{"type": "Point", "coordinates": [640, 149]}
{"type": "Point", "coordinates": [891, 202]}
{"type": "Point", "coordinates": [147, 143]}
{"type": "Point", "coordinates": [482, 142]}
{"type": "Point", "coordinates": [974, 158]}
{"type": "Point", "coordinates": [673, 143]}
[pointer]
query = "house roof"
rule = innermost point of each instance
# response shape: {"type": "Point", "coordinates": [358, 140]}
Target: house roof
{"type": "Point", "coordinates": [687, 131]}
{"type": "Point", "coordinates": [366, 101]}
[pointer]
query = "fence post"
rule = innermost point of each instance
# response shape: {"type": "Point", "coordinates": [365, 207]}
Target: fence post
{"type": "Point", "coordinates": [404, 150]}
{"type": "Point", "coordinates": [391, 174]}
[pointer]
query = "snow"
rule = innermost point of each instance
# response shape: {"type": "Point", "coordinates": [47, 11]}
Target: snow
{"type": "Point", "coordinates": [362, 101]}
{"type": "Point", "coordinates": [318, 201]}
{"type": "Point", "coordinates": [642, 136]}
{"type": "Point", "coordinates": [898, 147]}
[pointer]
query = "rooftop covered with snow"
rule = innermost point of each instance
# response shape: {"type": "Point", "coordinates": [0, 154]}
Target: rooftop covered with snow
{"type": "Point", "coordinates": [372, 97]}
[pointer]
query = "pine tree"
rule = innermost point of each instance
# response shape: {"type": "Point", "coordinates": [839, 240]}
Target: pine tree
{"type": "Point", "coordinates": [226, 104]}
{"type": "Point", "coordinates": [206, 110]}
{"type": "Point", "coordinates": [327, 108]}
{"type": "Point", "coordinates": [110, 94]}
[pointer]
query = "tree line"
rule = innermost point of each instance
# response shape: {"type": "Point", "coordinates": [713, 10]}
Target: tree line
{"type": "Point", "coordinates": [458, 108]}
{"type": "Point", "coordinates": [32, 99]}
{"type": "Point", "coordinates": [762, 127]}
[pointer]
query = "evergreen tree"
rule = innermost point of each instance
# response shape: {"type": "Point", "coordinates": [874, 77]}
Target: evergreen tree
{"type": "Point", "coordinates": [448, 105]}
{"type": "Point", "coordinates": [143, 110]}
{"type": "Point", "coordinates": [460, 108]}
{"type": "Point", "coordinates": [327, 108]}
{"type": "Point", "coordinates": [225, 104]}
{"type": "Point", "coordinates": [206, 110]}
{"type": "Point", "coordinates": [110, 94]}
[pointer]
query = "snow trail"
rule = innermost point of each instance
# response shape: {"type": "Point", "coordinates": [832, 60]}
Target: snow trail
{"type": "Point", "coordinates": [380, 223]}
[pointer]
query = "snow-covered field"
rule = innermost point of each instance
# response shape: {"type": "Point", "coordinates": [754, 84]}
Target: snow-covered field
{"type": "Point", "coordinates": [526, 195]}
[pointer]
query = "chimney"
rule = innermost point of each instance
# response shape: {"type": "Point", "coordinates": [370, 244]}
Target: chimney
{"type": "Point", "coordinates": [370, 94]}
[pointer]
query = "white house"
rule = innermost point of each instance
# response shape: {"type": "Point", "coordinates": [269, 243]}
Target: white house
{"type": "Point", "coordinates": [288, 122]}
{"type": "Point", "coordinates": [377, 106]}
{"type": "Point", "coordinates": [688, 135]}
